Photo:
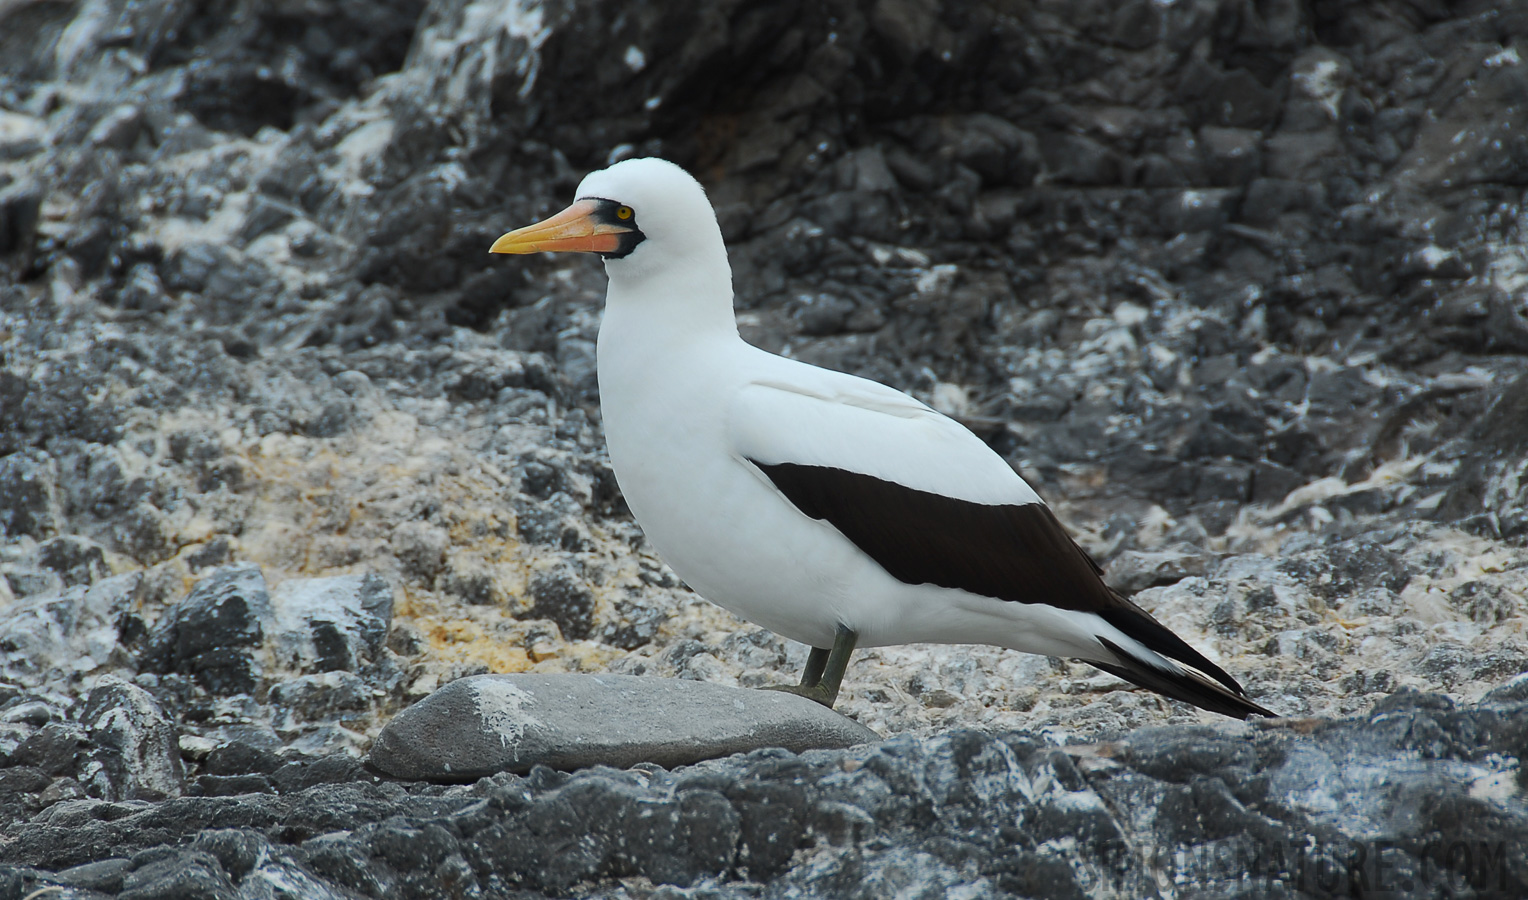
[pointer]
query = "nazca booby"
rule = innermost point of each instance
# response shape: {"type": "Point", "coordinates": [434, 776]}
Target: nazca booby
{"type": "Point", "coordinates": [827, 508]}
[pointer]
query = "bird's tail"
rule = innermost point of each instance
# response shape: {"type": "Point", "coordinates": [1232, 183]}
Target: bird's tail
{"type": "Point", "coordinates": [1158, 668]}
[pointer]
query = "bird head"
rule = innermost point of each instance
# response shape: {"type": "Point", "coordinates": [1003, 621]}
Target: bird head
{"type": "Point", "coordinates": [634, 214]}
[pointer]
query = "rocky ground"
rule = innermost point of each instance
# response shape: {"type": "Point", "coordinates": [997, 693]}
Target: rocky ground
{"type": "Point", "coordinates": [1240, 286]}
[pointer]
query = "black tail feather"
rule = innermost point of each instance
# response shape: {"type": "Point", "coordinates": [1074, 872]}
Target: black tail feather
{"type": "Point", "coordinates": [1226, 698]}
{"type": "Point", "coordinates": [1138, 623]}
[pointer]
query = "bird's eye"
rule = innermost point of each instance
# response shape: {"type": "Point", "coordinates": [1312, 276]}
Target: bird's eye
{"type": "Point", "coordinates": [623, 212]}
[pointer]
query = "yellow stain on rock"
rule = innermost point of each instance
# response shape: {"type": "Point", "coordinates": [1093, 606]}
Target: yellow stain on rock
{"type": "Point", "coordinates": [463, 640]}
{"type": "Point", "coordinates": [313, 507]}
{"type": "Point", "coordinates": [329, 506]}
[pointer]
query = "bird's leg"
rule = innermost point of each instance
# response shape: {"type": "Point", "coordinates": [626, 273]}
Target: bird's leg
{"type": "Point", "coordinates": [824, 670]}
{"type": "Point", "coordinates": [838, 662]}
{"type": "Point", "coordinates": [816, 661]}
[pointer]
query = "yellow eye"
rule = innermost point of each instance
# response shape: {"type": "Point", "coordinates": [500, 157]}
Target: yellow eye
{"type": "Point", "coordinates": [623, 212]}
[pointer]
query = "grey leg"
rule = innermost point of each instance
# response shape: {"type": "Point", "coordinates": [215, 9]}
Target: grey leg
{"type": "Point", "coordinates": [838, 662]}
{"type": "Point", "coordinates": [816, 661]}
{"type": "Point", "coordinates": [824, 670]}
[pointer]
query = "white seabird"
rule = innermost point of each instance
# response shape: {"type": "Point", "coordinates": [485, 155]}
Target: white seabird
{"type": "Point", "coordinates": [827, 508]}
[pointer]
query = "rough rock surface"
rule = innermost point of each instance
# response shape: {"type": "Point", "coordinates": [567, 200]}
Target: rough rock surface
{"type": "Point", "coordinates": [1413, 797]}
{"type": "Point", "coordinates": [1240, 286]}
{"type": "Point", "coordinates": [486, 724]}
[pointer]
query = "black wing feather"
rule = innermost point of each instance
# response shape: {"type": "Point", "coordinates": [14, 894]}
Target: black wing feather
{"type": "Point", "coordinates": [1017, 552]}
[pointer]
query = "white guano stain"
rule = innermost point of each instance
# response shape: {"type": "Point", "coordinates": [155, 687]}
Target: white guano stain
{"type": "Point", "coordinates": [1321, 83]}
{"type": "Point", "coordinates": [502, 707]}
{"type": "Point", "coordinates": [1506, 57]}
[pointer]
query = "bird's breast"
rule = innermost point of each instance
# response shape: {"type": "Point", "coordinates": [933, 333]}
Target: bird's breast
{"type": "Point", "coordinates": [664, 416]}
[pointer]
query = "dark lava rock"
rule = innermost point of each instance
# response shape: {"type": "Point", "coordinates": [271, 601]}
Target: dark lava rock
{"type": "Point", "coordinates": [104, 875]}
{"type": "Point", "coordinates": [230, 785]}
{"type": "Point", "coordinates": [241, 758]}
{"type": "Point", "coordinates": [565, 598]}
{"type": "Point", "coordinates": [632, 626]}
{"type": "Point", "coordinates": [19, 207]}
{"type": "Point", "coordinates": [421, 550]}
{"type": "Point", "coordinates": [1486, 494]}
{"type": "Point", "coordinates": [134, 752]}
{"type": "Point", "coordinates": [52, 749]}
{"type": "Point", "coordinates": [300, 775]}
{"type": "Point", "coordinates": [213, 633]}
{"type": "Point", "coordinates": [1228, 807]}
{"type": "Point", "coordinates": [238, 850]}
{"type": "Point", "coordinates": [77, 560]}
{"type": "Point", "coordinates": [315, 698]}
{"type": "Point", "coordinates": [45, 635]}
{"type": "Point", "coordinates": [310, 624]}
{"type": "Point", "coordinates": [20, 790]}
{"type": "Point", "coordinates": [28, 495]}
{"type": "Point", "coordinates": [1136, 570]}
{"type": "Point", "coordinates": [184, 874]}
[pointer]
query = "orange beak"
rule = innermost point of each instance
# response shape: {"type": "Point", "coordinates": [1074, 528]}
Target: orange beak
{"type": "Point", "coordinates": [572, 229]}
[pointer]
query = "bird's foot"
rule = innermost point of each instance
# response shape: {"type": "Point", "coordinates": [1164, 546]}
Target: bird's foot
{"type": "Point", "coordinates": [814, 692]}
{"type": "Point", "coordinates": [824, 670]}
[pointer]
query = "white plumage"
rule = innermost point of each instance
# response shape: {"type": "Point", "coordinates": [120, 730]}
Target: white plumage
{"type": "Point", "coordinates": [745, 470]}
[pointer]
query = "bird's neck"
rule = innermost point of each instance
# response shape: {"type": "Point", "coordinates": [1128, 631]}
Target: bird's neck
{"type": "Point", "coordinates": [665, 346]}
{"type": "Point", "coordinates": [665, 309]}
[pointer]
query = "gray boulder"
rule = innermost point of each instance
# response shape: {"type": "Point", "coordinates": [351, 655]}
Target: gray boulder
{"type": "Point", "coordinates": [477, 726]}
{"type": "Point", "coordinates": [331, 624]}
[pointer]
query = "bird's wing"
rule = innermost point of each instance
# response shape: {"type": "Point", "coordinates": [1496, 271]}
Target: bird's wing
{"type": "Point", "coordinates": [932, 504]}
{"type": "Point", "coordinates": [845, 423]}
{"type": "Point", "coordinates": [914, 490]}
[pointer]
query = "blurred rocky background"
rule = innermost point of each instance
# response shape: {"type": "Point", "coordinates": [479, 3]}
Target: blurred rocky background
{"type": "Point", "coordinates": [1240, 285]}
